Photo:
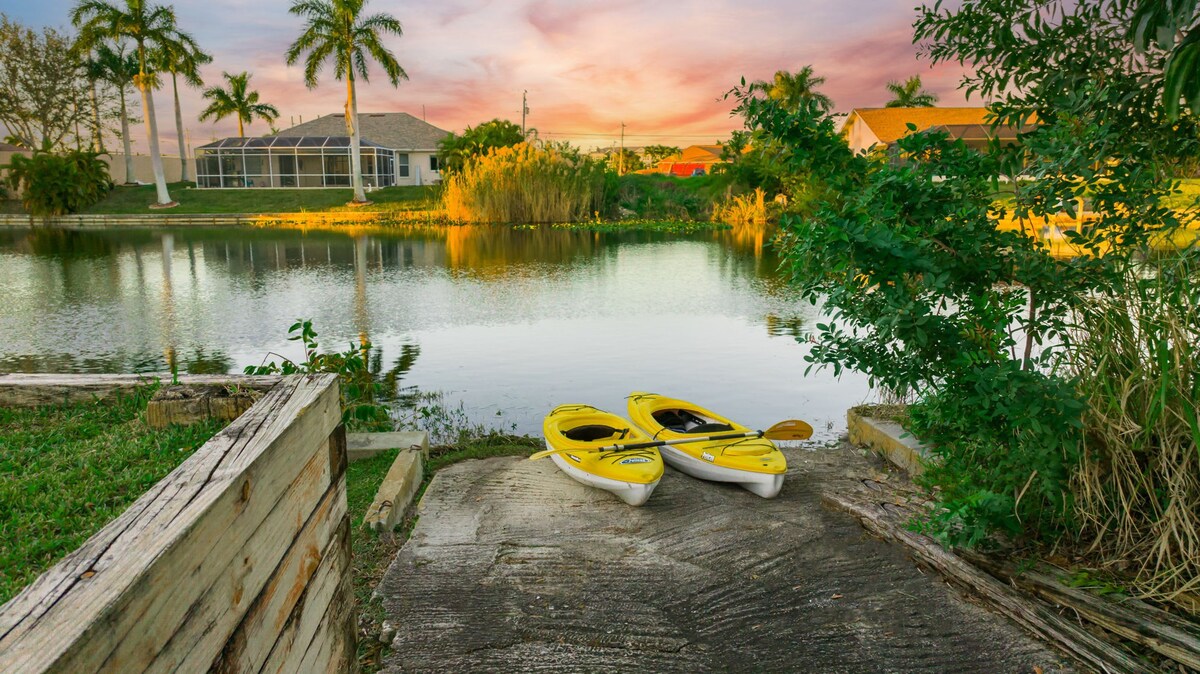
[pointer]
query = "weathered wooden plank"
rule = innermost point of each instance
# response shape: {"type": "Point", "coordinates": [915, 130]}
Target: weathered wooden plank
{"type": "Point", "coordinates": [137, 571]}
{"type": "Point", "coordinates": [328, 593]}
{"type": "Point", "coordinates": [1030, 613]}
{"type": "Point", "coordinates": [33, 390]}
{"type": "Point", "coordinates": [251, 641]}
{"type": "Point", "coordinates": [214, 615]}
{"type": "Point", "coordinates": [1158, 630]}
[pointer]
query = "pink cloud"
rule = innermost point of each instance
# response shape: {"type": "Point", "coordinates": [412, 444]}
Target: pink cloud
{"type": "Point", "coordinates": [588, 65]}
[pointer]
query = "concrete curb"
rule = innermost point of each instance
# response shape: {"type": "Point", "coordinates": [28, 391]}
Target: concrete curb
{"type": "Point", "coordinates": [400, 485]}
{"type": "Point", "coordinates": [361, 446]}
{"type": "Point", "coordinates": [889, 440]}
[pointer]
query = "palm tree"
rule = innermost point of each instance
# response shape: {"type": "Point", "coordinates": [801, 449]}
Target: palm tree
{"type": "Point", "coordinates": [910, 94]}
{"type": "Point", "coordinates": [237, 100]}
{"type": "Point", "coordinates": [118, 67]}
{"type": "Point", "coordinates": [792, 88]}
{"type": "Point", "coordinates": [338, 32]}
{"type": "Point", "coordinates": [150, 28]}
{"type": "Point", "coordinates": [94, 71]}
{"type": "Point", "coordinates": [181, 58]}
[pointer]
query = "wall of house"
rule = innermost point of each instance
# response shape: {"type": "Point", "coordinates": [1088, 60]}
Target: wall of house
{"type": "Point", "coordinates": [858, 135]}
{"type": "Point", "coordinates": [418, 162]}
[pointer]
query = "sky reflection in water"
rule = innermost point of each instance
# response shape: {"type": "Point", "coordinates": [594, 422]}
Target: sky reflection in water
{"type": "Point", "coordinates": [509, 321]}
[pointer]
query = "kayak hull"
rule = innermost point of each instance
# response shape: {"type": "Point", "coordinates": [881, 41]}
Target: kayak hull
{"type": "Point", "coordinates": [633, 493]}
{"type": "Point", "coordinates": [581, 438]}
{"type": "Point", "coordinates": [755, 463]}
{"type": "Point", "coordinates": [766, 485]}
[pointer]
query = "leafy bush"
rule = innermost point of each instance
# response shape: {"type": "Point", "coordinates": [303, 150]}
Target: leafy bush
{"type": "Point", "coordinates": [661, 197]}
{"type": "Point", "coordinates": [930, 297]}
{"type": "Point", "coordinates": [456, 151]}
{"type": "Point", "coordinates": [526, 185]}
{"type": "Point", "coordinates": [361, 391]}
{"type": "Point", "coordinates": [57, 184]}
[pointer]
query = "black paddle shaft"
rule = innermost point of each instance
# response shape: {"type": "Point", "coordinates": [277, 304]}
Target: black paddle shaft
{"type": "Point", "coordinates": [681, 441]}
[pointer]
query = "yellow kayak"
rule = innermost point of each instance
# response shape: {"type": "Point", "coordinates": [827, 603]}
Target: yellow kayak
{"type": "Point", "coordinates": [579, 436]}
{"type": "Point", "coordinates": [754, 463]}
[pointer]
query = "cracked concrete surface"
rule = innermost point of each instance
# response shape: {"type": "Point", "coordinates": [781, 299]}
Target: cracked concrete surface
{"type": "Point", "coordinates": [514, 567]}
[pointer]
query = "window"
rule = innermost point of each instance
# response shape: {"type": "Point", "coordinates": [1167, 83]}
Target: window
{"type": "Point", "coordinates": [401, 165]}
{"type": "Point", "coordinates": [433, 163]}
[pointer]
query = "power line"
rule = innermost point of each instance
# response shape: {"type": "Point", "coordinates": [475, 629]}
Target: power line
{"type": "Point", "coordinates": [629, 135]}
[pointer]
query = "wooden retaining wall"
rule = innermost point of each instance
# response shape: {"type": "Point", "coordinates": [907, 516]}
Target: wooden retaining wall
{"type": "Point", "coordinates": [34, 390]}
{"type": "Point", "coordinates": [238, 561]}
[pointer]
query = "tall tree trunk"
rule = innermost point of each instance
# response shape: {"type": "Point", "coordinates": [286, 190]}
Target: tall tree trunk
{"type": "Point", "coordinates": [241, 128]}
{"type": "Point", "coordinates": [183, 154]}
{"type": "Point", "coordinates": [129, 179]}
{"type": "Point", "coordinates": [160, 179]}
{"type": "Point", "coordinates": [355, 152]}
{"type": "Point", "coordinates": [97, 131]}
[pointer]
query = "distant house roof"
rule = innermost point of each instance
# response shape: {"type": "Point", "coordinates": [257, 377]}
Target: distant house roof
{"type": "Point", "coordinates": [981, 133]}
{"type": "Point", "coordinates": [5, 147]}
{"type": "Point", "coordinates": [891, 124]}
{"type": "Point", "coordinates": [701, 154]}
{"type": "Point", "coordinates": [285, 141]}
{"type": "Point", "coordinates": [395, 130]}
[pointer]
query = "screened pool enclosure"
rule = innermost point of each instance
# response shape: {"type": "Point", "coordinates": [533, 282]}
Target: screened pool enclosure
{"type": "Point", "coordinates": [295, 161]}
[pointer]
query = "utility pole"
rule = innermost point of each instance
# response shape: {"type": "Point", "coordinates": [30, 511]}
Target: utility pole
{"type": "Point", "coordinates": [524, 110]}
{"type": "Point", "coordinates": [621, 157]}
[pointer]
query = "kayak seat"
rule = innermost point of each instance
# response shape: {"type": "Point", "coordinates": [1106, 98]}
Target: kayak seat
{"type": "Point", "coordinates": [714, 427]}
{"type": "Point", "coordinates": [594, 432]}
{"type": "Point", "coordinates": [683, 421]}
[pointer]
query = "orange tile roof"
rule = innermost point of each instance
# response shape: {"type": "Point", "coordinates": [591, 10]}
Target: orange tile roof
{"type": "Point", "coordinates": [699, 153]}
{"type": "Point", "coordinates": [890, 124]}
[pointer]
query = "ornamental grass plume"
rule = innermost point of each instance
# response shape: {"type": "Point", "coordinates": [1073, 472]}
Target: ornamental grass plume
{"type": "Point", "coordinates": [525, 184]}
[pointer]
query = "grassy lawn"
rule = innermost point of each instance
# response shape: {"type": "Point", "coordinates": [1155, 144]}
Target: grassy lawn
{"type": "Point", "coordinates": [371, 553]}
{"type": "Point", "coordinates": [125, 200]}
{"type": "Point", "coordinates": [66, 471]}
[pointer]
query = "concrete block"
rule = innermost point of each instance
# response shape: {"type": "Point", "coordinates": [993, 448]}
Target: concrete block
{"type": "Point", "coordinates": [397, 491]}
{"type": "Point", "coordinates": [889, 440]}
{"type": "Point", "coordinates": [361, 446]}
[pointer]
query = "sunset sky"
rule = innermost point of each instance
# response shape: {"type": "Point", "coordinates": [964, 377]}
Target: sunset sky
{"type": "Point", "coordinates": [588, 64]}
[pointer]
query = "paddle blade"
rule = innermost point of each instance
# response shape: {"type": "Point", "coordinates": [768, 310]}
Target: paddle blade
{"type": "Point", "coordinates": [792, 429]}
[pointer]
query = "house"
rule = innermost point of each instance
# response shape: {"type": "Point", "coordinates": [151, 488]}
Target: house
{"type": "Point", "coordinates": [395, 147]}
{"type": "Point", "coordinates": [880, 128]}
{"type": "Point", "coordinates": [692, 161]}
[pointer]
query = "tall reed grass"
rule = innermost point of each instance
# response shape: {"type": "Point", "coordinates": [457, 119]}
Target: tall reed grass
{"type": "Point", "coordinates": [744, 209]}
{"type": "Point", "coordinates": [526, 184]}
{"type": "Point", "coordinates": [1137, 490]}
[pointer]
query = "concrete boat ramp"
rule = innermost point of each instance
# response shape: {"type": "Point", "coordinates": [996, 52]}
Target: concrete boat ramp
{"type": "Point", "coordinates": [514, 567]}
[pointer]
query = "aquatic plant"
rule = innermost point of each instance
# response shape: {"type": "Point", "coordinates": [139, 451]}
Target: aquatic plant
{"type": "Point", "coordinates": [526, 184]}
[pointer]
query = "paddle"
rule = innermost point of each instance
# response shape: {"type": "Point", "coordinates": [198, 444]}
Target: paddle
{"type": "Point", "coordinates": [791, 429]}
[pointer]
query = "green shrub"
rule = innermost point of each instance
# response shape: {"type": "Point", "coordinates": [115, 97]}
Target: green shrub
{"type": "Point", "coordinates": [662, 197]}
{"type": "Point", "coordinates": [57, 183]}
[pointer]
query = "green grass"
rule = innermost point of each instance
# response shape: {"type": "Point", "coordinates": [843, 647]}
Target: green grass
{"type": "Point", "coordinates": [371, 553]}
{"type": "Point", "coordinates": [125, 200]}
{"type": "Point", "coordinates": [66, 471]}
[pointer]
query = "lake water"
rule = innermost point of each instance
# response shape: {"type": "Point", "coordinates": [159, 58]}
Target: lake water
{"type": "Point", "coordinates": [509, 321]}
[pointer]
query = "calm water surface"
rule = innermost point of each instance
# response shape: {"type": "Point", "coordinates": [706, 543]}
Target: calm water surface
{"type": "Point", "coordinates": [509, 321]}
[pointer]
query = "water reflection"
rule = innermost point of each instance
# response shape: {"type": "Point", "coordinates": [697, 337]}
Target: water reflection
{"type": "Point", "coordinates": [509, 320]}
